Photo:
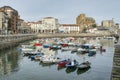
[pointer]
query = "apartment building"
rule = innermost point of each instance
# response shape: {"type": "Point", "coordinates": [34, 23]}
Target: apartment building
{"type": "Point", "coordinates": [12, 19]}
{"type": "Point", "coordinates": [50, 25]}
{"type": "Point", "coordinates": [69, 28]}
{"type": "Point", "coordinates": [36, 27]}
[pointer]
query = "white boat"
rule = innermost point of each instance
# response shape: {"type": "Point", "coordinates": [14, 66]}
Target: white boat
{"type": "Point", "coordinates": [65, 49]}
{"type": "Point", "coordinates": [49, 59]}
{"type": "Point", "coordinates": [84, 65]}
{"type": "Point", "coordinates": [27, 48]}
{"type": "Point", "coordinates": [82, 51]}
{"type": "Point", "coordinates": [71, 44]}
{"type": "Point", "coordinates": [33, 52]}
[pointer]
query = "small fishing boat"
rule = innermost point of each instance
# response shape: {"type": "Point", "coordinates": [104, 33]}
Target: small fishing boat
{"type": "Point", "coordinates": [74, 50]}
{"type": "Point", "coordinates": [82, 50]}
{"type": "Point", "coordinates": [88, 46]}
{"type": "Point", "coordinates": [27, 49]}
{"type": "Point", "coordinates": [70, 69]}
{"type": "Point", "coordinates": [65, 49]}
{"type": "Point", "coordinates": [46, 45]}
{"type": "Point", "coordinates": [92, 52]}
{"type": "Point", "coordinates": [50, 59]}
{"type": "Point", "coordinates": [64, 44]}
{"type": "Point", "coordinates": [71, 64]}
{"type": "Point", "coordinates": [37, 57]}
{"type": "Point", "coordinates": [81, 71]}
{"type": "Point", "coordinates": [63, 63]}
{"type": "Point", "coordinates": [55, 47]}
{"type": "Point", "coordinates": [84, 65]}
{"type": "Point", "coordinates": [35, 52]}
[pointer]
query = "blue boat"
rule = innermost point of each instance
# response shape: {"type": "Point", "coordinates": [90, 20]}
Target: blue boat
{"type": "Point", "coordinates": [46, 45]}
{"type": "Point", "coordinates": [71, 64]}
{"type": "Point", "coordinates": [55, 47]}
{"type": "Point", "coordinates": [37, 56]}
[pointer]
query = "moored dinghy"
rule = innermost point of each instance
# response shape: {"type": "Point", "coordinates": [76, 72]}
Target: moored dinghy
{"type": "Point", "coordinates": [50, 59]}
{"type": "Point", "coordinates": [84, 65]}
{"type": "Point", "coordinates": [63, 63]}
{"type": "Point", "coordinates": [71, 64]}
{"type": "Point", "coordinates": [37, 56]}
{"type": "Point", "coordinates": [92, 52]}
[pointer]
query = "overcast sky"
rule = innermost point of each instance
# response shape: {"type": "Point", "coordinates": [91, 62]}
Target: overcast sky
{"type": "Point", "coordinates": [65, 10]}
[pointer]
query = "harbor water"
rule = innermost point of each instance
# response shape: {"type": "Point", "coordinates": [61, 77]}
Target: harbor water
{"type": "Point", "coordinates": [15, 66]}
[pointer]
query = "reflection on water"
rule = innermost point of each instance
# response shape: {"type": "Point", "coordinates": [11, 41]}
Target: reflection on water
{"type": "Point", "coordinates": [46, 64]}
{"type": "Point", "coordinates": [15, 66]}
{"type": "Point", "coordinates": [9, 61]}
{"type": "Point", "coordinates": [81, 71]}
{"type": "Point", "coordinates": [71, 69]}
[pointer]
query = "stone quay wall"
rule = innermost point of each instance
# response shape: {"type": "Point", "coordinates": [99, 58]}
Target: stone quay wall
{"type": "Point", "coordinates": [71, 35]}
{"type": "Point", "coordinates": [7, 41]}
{"type": "Point", "coordinates": [116, 63]}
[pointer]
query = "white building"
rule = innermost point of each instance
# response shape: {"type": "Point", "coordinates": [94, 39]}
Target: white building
{"type": "Point", "coordinates": [36, 27]}
{"type": "Point", "coordinates": [50, 24]}
{"type": "Point", "coordinates": [69, 28]}
{"type": "Point", "coordinates": [46, 25]}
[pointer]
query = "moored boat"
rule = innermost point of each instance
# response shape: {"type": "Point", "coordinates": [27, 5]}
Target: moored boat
{"type": "Point", "coordinates": [84, 65]}
{"type": "Point", "coordinates": [71, 64]}
{"type": "Point", "coordinates": [37, 56]}
{"type": "Point", "coordinates": [82, 50]}
{"type": "Point", "coordinates": [46, 45]}
{"type": "Point", "coordinates": [74, 50]}
{"type": "Point", "coordinates": [92, 52]}
{"type": "Point", "coordinates": [55, 47]}
{"type": "Point", "coordinates": [63, 63]}
{"type": "Point", "coordinates": [50, 59]}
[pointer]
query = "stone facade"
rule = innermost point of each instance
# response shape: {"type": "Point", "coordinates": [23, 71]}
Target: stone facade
{"type": "Point", "coordinates": [85, 22]}
{"type": "Point", "coordinates": [108, 23]}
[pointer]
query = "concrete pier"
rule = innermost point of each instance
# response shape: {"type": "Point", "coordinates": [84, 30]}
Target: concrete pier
{"type": "Point", "coordinates": [7, 41]}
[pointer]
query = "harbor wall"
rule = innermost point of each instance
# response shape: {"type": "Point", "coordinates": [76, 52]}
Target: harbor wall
{"type": "Point", "coordinates": [116, 63]}
{"type": "Point", "coordinates": [8, 41]}
{"type": "Point", "coordinates": [62, 35]}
